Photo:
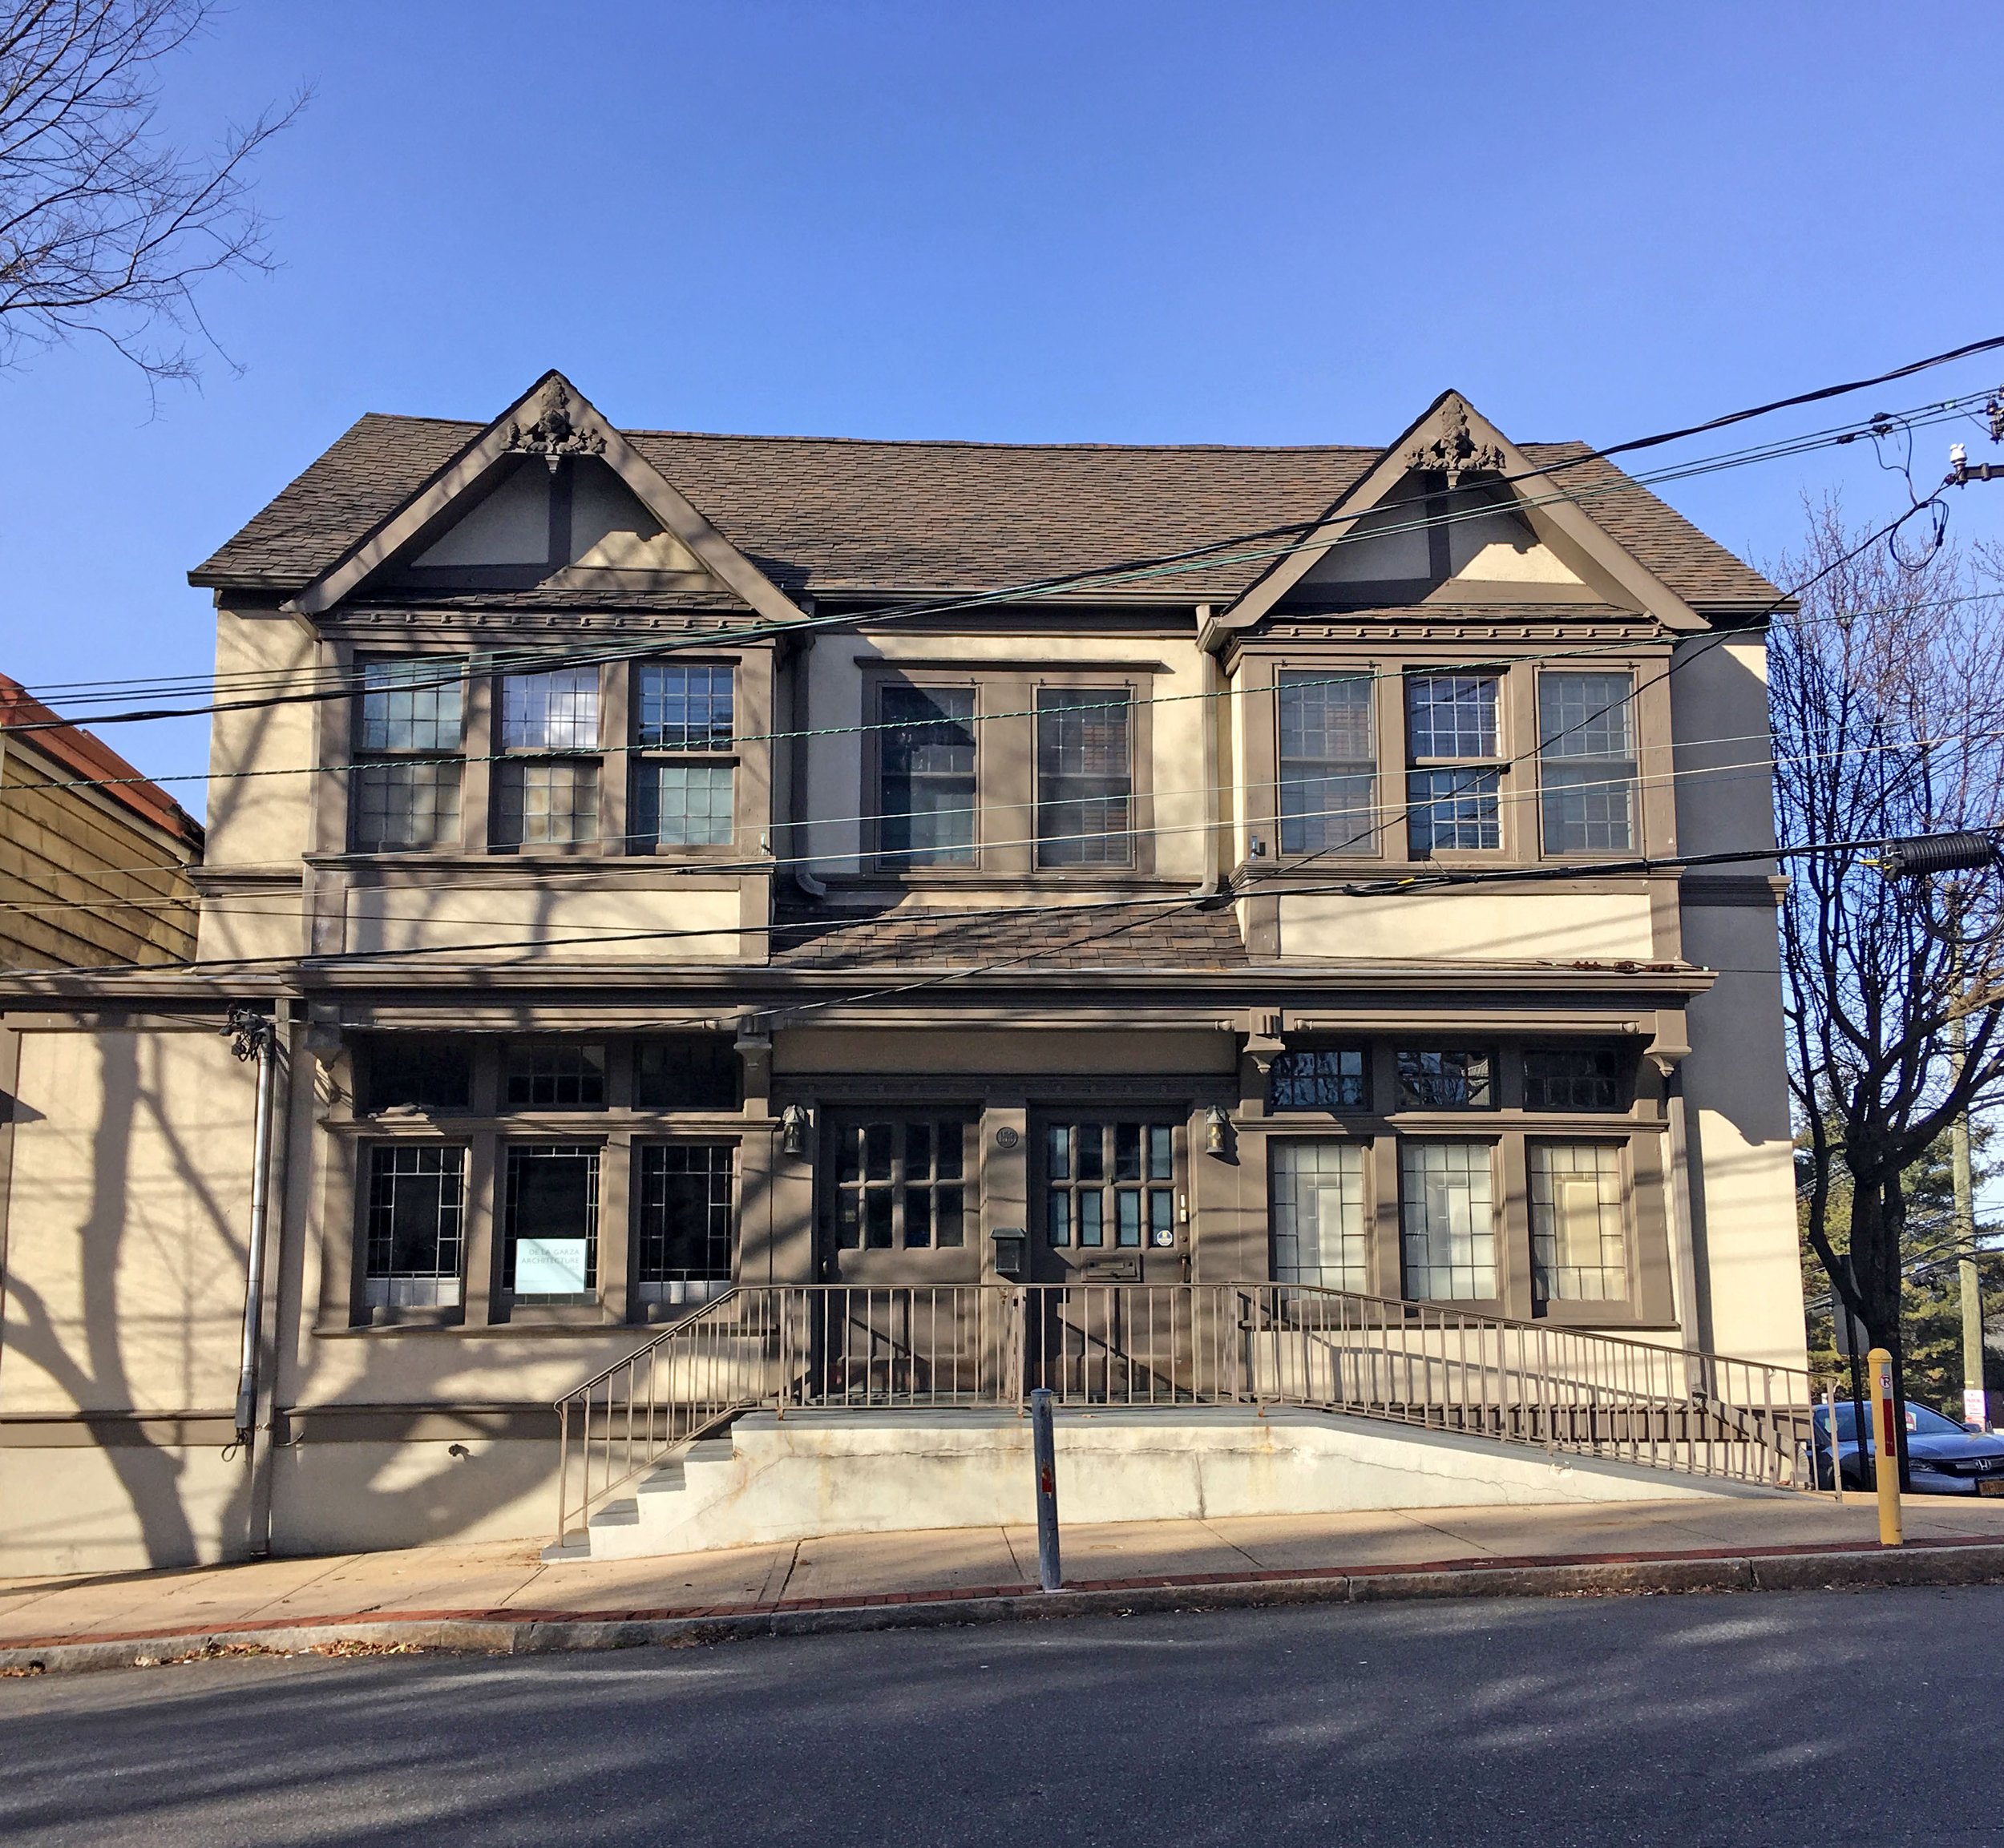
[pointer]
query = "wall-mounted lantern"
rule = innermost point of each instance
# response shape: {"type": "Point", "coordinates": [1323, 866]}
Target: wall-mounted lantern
{"type": "Point", "coordinates": [794, 1124]}
{"type": "Point", "coordinates": [1217, 1130]}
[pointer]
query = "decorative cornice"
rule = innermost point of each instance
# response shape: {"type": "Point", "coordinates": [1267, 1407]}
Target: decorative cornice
{"type": "Point", "coordinates": [1454, 452]}
{"type": "Point", "coordinates": [554, 435]}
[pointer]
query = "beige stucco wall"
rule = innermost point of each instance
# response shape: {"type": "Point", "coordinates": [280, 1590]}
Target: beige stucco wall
{"type": "Point", "coordinates": [1736, 1091]}
{"type": "Point", "coordinates": [1468, 926]}
{"type": "Point", "coordinates": [260, 820]}
{"type": "Point", "coordinates": [464, 911]}
{"type": "Point", "coordinates": [128, 1208]}
{"type": "Point", "coordinates": [1719, 720]}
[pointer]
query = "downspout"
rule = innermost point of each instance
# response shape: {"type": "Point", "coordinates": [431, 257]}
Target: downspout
{"type": "Point", "coordinates": [253, 1036]}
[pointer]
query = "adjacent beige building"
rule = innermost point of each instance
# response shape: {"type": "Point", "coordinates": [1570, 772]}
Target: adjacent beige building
{"type": "Point", "coordinates": [678, 860]}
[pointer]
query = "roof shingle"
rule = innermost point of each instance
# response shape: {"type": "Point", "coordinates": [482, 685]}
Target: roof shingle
{"type": "Point", "coordinates": [826, 515]}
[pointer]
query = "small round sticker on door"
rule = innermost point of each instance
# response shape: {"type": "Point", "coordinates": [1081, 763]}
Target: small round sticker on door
{"type": "Point", "coordinates": [1162, 1235]}
{"type": "Point", "coordinates": [1006, 1137]}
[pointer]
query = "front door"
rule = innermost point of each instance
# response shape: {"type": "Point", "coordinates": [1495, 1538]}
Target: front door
{"type": "Point", "coordinates": [898, 1317]}
{"type": "Point", "coordinates": [1108, 1230]}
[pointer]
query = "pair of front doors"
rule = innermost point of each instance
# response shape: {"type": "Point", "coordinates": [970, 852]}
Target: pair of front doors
{"type": "Point", "coordinates": [902, 1205]}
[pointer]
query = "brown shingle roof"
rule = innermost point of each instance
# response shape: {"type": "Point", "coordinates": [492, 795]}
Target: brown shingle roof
{"type": "Point", "coordinates": [824, 514]}
{"type": "Point", "coordinates": [909, 938]}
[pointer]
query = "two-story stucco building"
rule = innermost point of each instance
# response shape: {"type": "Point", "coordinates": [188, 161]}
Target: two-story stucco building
{"type": "Point", "coordinates": [681, 860]}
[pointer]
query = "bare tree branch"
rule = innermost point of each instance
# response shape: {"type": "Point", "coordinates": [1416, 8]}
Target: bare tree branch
{"type": "Point", "coordinates": [1886, 696]}
{"type": "Point", "coordinates": [106, 227]}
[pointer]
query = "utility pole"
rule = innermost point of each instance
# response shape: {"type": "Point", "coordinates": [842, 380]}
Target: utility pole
{"type": "Point", "coordinates": [1975, 1402]}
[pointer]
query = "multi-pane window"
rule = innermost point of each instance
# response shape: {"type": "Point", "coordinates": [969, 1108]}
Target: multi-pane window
{"type": "Point", "coordinates": [1324, 1078]}
{"type": "Point", "coordinates": [1109, 1183]}
{"type": "Point", "coordinates": [1587, 762]}
{"type": "Point", "coordinates": [417, 1226]}
{"type": "Point", "coordinates": [694, 1072]}
{"type": "Point", "coordinates": [1579, 1247]}
{"type": "Point", "coordinates": [900, 1184]}
{"type": "Point", "coordinates": [926, 776]}
{"type": "Point", "coordinates": [554, 1074]}
{"type": "Point", "coordinates": [1084, 776]}
{"type": "Point", "coordinates": [1317, 1204]}
{"type": "Point", "coordinates": [405, 785]}
{"type": "Point", "coordinates": [1450, 1078]}
{"type": "Point", "coordinates": [1453, 746]}
{"type": "Point", "coordinates": [682, 1253]}
{"type": "Point", "coordinates": [552, 1223]}
{"type": "Point", "coordinates": [1328, 764]}
{"type": "Point", "coordinates": [684, 805]}
{"type": "Point", "coordinates": [682, 708]}
{"type": "Point", "coordinates": [546, 784]}
{"type": "Point", "coordinates": [1448, 1221]}
{"type": "Point", "coordinates": [680, 712]}
{"type": "Point", "coordinates": [1572, 1077]}
{"type": "Point", "coordinates": [412, 1071]}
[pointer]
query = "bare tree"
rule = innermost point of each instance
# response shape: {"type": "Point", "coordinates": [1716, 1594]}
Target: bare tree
{"type": "Point", "coordinates": [1887, 692]}
{"type": "Point", "coordinates": [106, 227]}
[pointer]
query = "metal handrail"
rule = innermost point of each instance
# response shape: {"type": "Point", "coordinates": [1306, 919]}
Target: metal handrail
{"type": "Point", "coordinates": [1130, 1345]}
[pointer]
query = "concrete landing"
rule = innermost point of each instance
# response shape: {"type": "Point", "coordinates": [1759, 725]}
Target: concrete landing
{"type": "Point", "coordinates": [811, 1475]}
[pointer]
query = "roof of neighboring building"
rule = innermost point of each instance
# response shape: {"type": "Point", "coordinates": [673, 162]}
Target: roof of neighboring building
{"type": "Point", "coordinates": [836, 514]}
{"type": "Point", "coordinates": [908, 937]}
{"type": "Point", "coordinates": [95, 761]}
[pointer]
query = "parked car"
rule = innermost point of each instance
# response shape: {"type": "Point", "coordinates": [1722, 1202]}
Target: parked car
{"type": "Point", "coordinates": [1943, 1457]}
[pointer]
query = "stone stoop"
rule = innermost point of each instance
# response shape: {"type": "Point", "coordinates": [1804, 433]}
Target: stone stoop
{"type": "Point", "coordinates": [813, 1473]}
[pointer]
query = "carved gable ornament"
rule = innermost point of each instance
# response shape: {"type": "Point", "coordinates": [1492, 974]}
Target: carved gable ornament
{"type": "Point", "coordinates": [554, 433]}
{"type": "Point", "coordinates": [1453, 450]}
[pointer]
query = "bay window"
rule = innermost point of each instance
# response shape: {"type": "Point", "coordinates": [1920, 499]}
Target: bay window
{"type": "Point", "coordinates": [684, 773]}
{"type": "Point", "coordinates": [1328, 764]}
{"type": "Point", "coordinates": [546, 783]}
{"type": "Point", "coordinates": [1454, 751]}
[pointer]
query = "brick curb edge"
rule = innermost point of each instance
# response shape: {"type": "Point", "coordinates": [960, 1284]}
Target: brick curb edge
{"type": "Point", "coordinates": [1784, 1571]}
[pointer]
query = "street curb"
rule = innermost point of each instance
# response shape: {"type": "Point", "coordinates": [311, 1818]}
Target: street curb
{"type": "Point", "coordinates": [1838, 1567]}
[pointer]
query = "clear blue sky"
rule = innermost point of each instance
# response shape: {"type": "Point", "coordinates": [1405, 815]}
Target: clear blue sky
{"type": "Point", "coordinates": [1140, 222]}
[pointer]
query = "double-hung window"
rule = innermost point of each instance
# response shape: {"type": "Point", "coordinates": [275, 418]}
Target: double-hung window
{"type": "Point", "coordinates": [684, 773]}
{"type": "Point", "coordinates": [1084, 776]}
{"type": "Point", "coordinates": [546, 784]}
{"type": "Point", "coordinates": [408, 741]}
{"type": "Point", "coordinates": [1454, 751]}
{"type": "Point", "coordinates": [926, 776]}
{"type": "Point", "coordinates": [1328, 764]}
{"type": "Point", "coordinates": [1586, 761]}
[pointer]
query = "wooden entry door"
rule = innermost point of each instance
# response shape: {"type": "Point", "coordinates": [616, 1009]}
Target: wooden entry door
{"type": "Point", "coordinates": [898, 1317]}
{"type": "Point", "coordinates": [1108, 1225]}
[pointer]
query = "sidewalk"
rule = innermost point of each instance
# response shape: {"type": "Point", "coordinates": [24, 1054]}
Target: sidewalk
{"type": "Point", "coordinates": [500, 1595]}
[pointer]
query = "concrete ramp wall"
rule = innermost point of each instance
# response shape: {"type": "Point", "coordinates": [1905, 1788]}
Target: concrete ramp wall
{"type": "Point", "coordinates": [810, 1475]}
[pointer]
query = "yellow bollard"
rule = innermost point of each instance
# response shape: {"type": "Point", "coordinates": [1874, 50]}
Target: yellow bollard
{"type": "Point", "coordinates": [1885, 1446]}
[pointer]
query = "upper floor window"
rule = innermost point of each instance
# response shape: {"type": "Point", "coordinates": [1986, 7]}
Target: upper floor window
{"type": "Point", "coordinates": [1445, 1078]}
{"type": "Point", "coordinates": [1572, 1078]}
{"type": "Point", "coordinates": [554, 1074]}
{"type": "Point", "coordinates": [1587, 762]}
{"type": "Point", "coordinates": [682, 710]}
{"type": "Point", "coordinates": [1329, 1078]}
{"type": "Point", "coordinates": [926, 776]}
{"type": "Point", "coordinates": [542, 798]}
{"type": "Point", "coordinates": [1084, 776]}
{"type": "Point", "coordinates": [1453, 743]}
{"type": "Point", "coordinates": [405, 782]}
{"type": "Point", "coordinates": [1328, 764]}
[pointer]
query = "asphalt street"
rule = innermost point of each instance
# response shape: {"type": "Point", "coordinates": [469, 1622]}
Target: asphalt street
{"type": "Point", "coordinates": [1823, 1718]}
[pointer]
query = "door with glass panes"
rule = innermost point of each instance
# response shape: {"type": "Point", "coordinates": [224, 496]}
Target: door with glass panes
{"type": "Point", "coordinates": [1108, 1225]}
{"type": "Point", "coordinates": [900, 1230]}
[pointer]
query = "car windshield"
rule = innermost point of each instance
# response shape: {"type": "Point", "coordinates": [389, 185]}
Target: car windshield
{"type": "Point", "coordinates": [1920, 1422]}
